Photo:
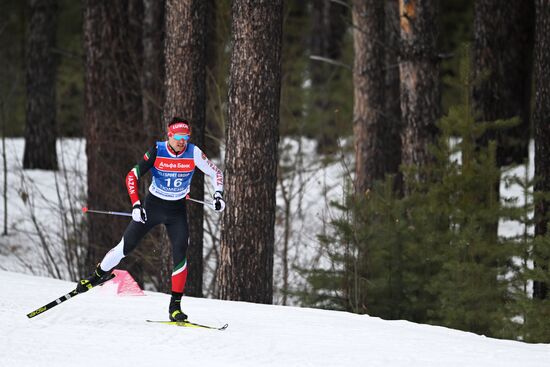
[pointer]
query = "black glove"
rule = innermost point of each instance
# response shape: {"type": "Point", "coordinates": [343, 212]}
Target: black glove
{"type": "Point", "coordinates": [138, 213]}
{"type": "Point", "coordinates": [219, 203]}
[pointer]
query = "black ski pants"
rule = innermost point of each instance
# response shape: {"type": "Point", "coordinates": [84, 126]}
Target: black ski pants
{"type": "Point", "coordinates": [173, 214]}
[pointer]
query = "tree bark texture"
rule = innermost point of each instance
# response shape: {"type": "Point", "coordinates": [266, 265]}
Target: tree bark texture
{"type": "Point", "coordinates": [246, 269]}
{"type": "Point", "coordinates": [418, 70]}
{"type": "Point", "coordinates": [503, 33]}
{"type": "Point", "coordinates": [185, 89]}
{"type": "Point", "coordinates": [371, 124]}
{"type": "Point", "coordinates": [41, 74]}
{"type": "Point", "coordinates": [152, 78]}
{"type": "Point", "coordinates": [541, 123]}
{"type": "Point", "coordinates": [113, 118]}
{"type": "Point", "coordinates": [392, 107]}
{"type": "Point", "coordinates": [217, 16]}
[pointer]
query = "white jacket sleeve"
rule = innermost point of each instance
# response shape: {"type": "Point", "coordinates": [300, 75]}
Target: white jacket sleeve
{"type": "Point", "coordinates": [209, 168]}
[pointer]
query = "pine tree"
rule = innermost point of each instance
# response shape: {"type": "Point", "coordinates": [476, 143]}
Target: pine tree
{"type": "Point", "coordinates": [431, 256]}
{"type": "Point", "coordinates": [471, 294]}
{"type": "Point", "coordinates": [419, 73]}
{"type": "Point", "coordinates": [530, 320]}
{"type": "Point", "coordinates": [370, 125]}
{"type": "Point", "coordinates": [247, 239]}
{"type": "Point", "coordinates": [536, 317]}
{"type": "Point", "coordinates": [113, 114]}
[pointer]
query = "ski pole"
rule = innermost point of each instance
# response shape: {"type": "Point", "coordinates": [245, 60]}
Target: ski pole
{"type": "Point", "coordinates": [86, 210]}
{"type": "Point", "coordinates": [211, 206]}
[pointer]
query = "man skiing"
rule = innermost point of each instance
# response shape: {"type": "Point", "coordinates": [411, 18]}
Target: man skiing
{"type": "Point", "coordinates": [172, 163]}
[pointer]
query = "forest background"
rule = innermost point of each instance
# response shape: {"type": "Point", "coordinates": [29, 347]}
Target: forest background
{"type": "Point", "coordinates": [435, 100]}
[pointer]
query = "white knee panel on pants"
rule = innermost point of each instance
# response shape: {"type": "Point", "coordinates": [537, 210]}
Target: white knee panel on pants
{"type": "Point", "coordinates": [113, 257]}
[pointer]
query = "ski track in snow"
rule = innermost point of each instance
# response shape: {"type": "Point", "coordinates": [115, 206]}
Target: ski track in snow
{"type": "Point", "coordinates": [99, 328]}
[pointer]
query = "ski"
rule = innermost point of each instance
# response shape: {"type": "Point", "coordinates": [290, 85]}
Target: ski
{"type": "Point", "coordinates": [61, 299]}
{"type": "Point", "coordinates": [188, 324]}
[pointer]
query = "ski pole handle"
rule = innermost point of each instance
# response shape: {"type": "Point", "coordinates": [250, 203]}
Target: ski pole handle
{"type": "Point", "coordinates": [86, 210]}
{"type": "Point", "coordinates": [208, 205]}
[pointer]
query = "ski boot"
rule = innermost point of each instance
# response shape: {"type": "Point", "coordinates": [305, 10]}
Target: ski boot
{"type": "Point", "coordinates": [97, 277]}
{"type": "Point", "coordinates": [176, 314]}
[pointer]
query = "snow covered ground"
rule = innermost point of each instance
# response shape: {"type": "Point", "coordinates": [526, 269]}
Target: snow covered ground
{"type": "Point", "coordinates": [99, 328]}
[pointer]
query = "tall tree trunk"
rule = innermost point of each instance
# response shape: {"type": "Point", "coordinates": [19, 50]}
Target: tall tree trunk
{"type": "Point", "coordinates": [152, 87]}
{"type": "Point", "coordinates": [246, 269]}
{"type": "Point", "coordinates": [153, 67]}
{"type": "Point", "coordinates": [185, 90]}
{"type": "Point", "coordinates": [327, 30]}
{"type": "Point", "coordinates": [541, 123]}
{"type": "Point", "coordinates": [216, 85]}
{"type": "Point", "coordinates": [376, 118]}
{"type": "Point", "coordinates": [328, 27]}
{"type": "Point", "coordinates": [113, 118]}
{"type": "Point", "coordinates": [419, 71]}
{"type": "Point", "coordinates": [503, 32]}
{"type": "Point", "coordinates": [41, 70]}
{"type": "Point", "coordinates": [369, 119]}
{"type": "Point", "coordinates": [392, 108]}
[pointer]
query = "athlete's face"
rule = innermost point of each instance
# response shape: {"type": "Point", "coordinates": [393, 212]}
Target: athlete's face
{"type": "Point", "coordinates": [178, 142]}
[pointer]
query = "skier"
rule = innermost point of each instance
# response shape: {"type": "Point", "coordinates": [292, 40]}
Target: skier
{"type": "Point", "coordinates": [172, 163]}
